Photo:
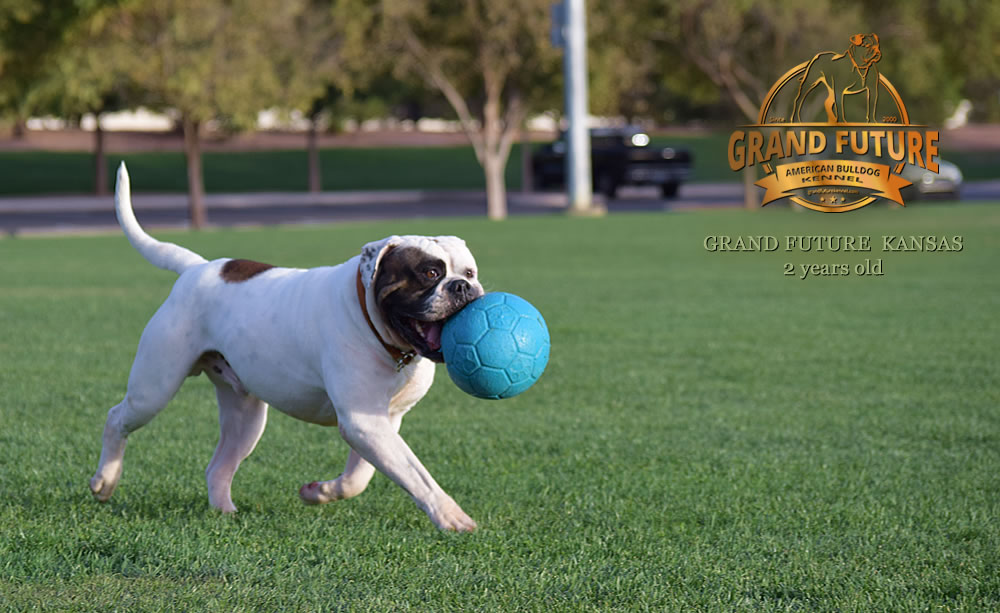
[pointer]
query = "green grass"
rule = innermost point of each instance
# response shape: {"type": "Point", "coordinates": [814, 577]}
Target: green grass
{"type": "Point", "coordinates": [710, 435]}
{"type": "Point", "coordinates": [343, 169]}
{"type": "Point", "coordinates": [349, 168]}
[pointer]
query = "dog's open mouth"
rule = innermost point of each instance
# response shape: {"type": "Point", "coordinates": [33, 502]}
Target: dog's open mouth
{"type": "Point", "coordinates": [422, 328]}
{"type": "Point", "coordinates": [425, 336]}
{"type": "Point", "coordinates": [429, 331]}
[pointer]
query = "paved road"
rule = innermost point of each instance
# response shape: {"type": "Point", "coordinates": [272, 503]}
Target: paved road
{"type": "Point", "coordinates": [56, 214]}
{"type": "Point", "coordinates": [46, 214]}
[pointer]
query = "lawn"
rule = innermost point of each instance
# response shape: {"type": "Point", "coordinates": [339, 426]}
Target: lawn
{"type": "Point", "coordinates": [710, 435]}
{"type": "Point", "coordinates": [249, 171]}
{"type": "Point", "coordinates": [355, 168]}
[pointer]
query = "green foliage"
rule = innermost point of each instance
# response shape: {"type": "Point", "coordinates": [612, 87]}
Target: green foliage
{"type": "Point", "coordinates": [965, 32]}
{"type": "Point", "coordinates": [743, 48]}
{"type": "Point", "coordinates": [677, 60]}
{"type": "Point", "coordinates": [476, 45]}
{"type": "Point", "coordinates": [709, 435]}
{"type": "Point", "coordinates": [490, 61]}
{"type": "Point", "coordinates": [207, 60]}
{"type": "Point", "coordinates": [310, 57]}
{"type": "Point", "coordinates": [623, 62]}
{"type": "Point", "coordinates": [86, 74]}
{"type": "Point", "coordinates": [33, 38]}
{"type": "Point", "coordinates": [690, 59]}
{"type": "Point", "coordinates": [913, 59]}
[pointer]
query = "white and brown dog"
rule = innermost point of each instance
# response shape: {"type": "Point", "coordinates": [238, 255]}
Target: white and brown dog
{"type": "Point", "coordinates": [351, 345]}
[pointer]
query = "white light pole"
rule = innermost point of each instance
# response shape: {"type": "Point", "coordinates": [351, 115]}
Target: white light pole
{"type": "Point", "coordinates": [572, 14]}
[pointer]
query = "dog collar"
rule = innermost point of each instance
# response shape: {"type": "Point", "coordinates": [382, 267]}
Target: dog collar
{"type": "Point", "coordinates": [402, 358]}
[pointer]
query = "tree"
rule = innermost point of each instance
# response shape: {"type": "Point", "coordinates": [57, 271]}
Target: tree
{"type": "Point", "coordinates": [636, 69]}
{"type": "Point", "coordinates": [967, 32]}
{"type": "Point", "coordinates": [623, 63]}
{"type": "Point", "coordinates": [311, 72]}
{"type": "Point", "coordinates": [742, 48]}
{"type": "Point", "coordinates": [83, 75]}
{"type": "Point", "coordinates": [16, 18]}
{"type": "Point", "coordinates": [32, 32]}
{"type": "Point", "coordinates": [946, 49]}
{"type": "Point", "coordinates": [327, 62]}
{"type": "Point", "coordinates": [485, 58]}
{"type": "Point", "coordinates": [208, 61]}
{"type": "Point", "coordinates": [913, 58]}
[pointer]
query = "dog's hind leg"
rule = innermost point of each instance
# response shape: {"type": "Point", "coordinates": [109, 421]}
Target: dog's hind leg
{"type": "Point", "coordinates": [163, 359]}
{"type": "Point", "coordinates": [803, 95]}
{"type": "Point", "coordinates": [833, 115]}
{"type": "Point", "coordinates": [242, 418]}
{"type": "Point", "coordinates": [800, 98]}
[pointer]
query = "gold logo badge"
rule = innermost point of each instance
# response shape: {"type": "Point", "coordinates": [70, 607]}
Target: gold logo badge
{"type": "Point", "coordinates": [833, 134]}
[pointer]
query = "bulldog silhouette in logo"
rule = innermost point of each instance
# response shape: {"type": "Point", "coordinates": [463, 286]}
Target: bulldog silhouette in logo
{"type": "Point", "coordinates": [853, 72]}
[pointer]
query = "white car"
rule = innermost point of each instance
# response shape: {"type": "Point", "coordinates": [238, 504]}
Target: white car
{"type": "Point", "coordinates": [947, 181]}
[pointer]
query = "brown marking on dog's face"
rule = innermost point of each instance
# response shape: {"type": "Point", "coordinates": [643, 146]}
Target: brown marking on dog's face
{"type": "Point", "coordinates": [407, 291]}
{"type": "Point", "coordinates": [236, 271]}
{"type": "Point", "coordinates": [406, 277]}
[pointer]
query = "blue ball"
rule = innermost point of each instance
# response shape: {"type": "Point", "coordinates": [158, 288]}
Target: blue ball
{"type": "Point", "coordinates": [496, 347]}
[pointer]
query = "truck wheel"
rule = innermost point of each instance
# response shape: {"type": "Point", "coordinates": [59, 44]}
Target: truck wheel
{"type": "Point", "coordinates": [669, 190]}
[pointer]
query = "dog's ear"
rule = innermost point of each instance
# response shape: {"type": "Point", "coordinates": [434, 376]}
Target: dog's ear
{"type": "Point", "coordinates": [371, 258]}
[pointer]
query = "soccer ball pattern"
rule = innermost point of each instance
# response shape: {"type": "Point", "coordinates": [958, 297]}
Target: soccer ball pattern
{"type": "Point", "coordinates": [496, 347]}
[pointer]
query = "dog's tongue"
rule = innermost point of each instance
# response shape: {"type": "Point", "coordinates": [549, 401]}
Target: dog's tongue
{"type": "Point", "coordinates": [432, 335]}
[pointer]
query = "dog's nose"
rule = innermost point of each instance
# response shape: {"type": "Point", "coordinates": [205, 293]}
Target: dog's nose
{"type": "Point", "coordinates": [460, 288]}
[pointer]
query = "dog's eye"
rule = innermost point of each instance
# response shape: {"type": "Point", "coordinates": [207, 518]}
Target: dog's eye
{"type": "Point", "coordinates": [432, 273]}
{"type": "Point", "coordinates": [470, 274]}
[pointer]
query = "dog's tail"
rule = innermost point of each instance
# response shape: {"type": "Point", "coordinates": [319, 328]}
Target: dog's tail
{"type": "Point", "coordinates": [167, 256]}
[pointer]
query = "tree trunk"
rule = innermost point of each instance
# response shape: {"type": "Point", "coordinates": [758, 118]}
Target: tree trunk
{"type": "Point", "coordinates": [527, 171]}
{"type": "Point", "coordinates": [100, 162]}
{"type": "Point", "coordinates": [496, 190]}
{"type": "Point", "coordinates": [312, 151]}
{"type": "Point", "coordinates": [493, 159]}
{"type": "Point", "coordinates": [196, 184]}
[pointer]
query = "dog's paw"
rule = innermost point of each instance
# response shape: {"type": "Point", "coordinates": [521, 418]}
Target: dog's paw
{"type": "Point", "coordinates": [101, 488]}
{"type": "Point", "coordinates": [315, 493]}
{"type": "Point", "coordinates": [450, 516]}
{"type": "Point", "coordinates": [221, 501]}
{"type": "Point", "coordinates": [322, 492]}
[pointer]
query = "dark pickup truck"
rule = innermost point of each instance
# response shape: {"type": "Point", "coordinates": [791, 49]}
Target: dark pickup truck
{"type": "Point", "coordinates": [618, 156]}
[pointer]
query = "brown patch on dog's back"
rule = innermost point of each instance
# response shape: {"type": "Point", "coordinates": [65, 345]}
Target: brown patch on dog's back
{"type": "Point", "coordinates": [236, 271]}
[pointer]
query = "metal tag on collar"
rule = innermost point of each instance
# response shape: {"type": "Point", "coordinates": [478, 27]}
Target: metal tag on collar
{"type": "Point", "coordinates": [404, 360]}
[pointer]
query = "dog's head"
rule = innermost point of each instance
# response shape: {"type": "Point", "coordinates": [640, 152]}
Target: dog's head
{"type": "Point", "coordinates": [417, 282]}
{"type": "Point", "coordinates": [869, 44]}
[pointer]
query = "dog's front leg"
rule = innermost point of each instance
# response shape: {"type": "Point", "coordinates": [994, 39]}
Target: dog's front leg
{"type": "Point", "coordinates": [871, 96]}
{"type": "Point", "coordinates": [375, 439]}
{"type": "Point", "coordinates": [349, 484]}
{"type": "Point", "coordinates": [355, 478]}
